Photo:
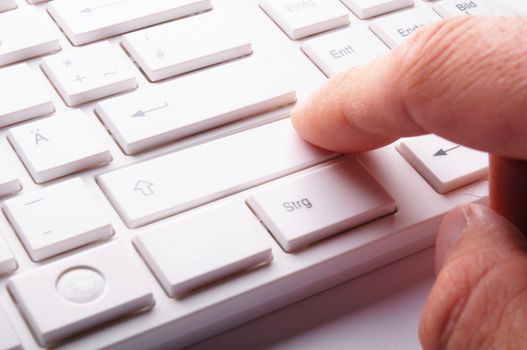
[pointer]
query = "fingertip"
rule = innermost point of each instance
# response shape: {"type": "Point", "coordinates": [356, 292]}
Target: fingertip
{"type": "Point", "coordinates": [450, 231]}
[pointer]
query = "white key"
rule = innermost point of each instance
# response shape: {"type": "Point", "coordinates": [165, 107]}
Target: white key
{"type": "Point", "coordinates": [370, 8]}
{"type": "Point", "coordinates": [90, 73]}
{"type": "Point", "coordinates": [157, 188]}
{"type": "Point", "coordinates": [23, 95]}
{"type": "Point", "coordinates": [451, 8]}
{"type": "Point", "coordinates": [197, 249]}
{"type": "Point", "coordinates": [26, 33]}
{"type": "Point", "coordinates": [515, 7]}
{"type": "Point", "coordinates": [301, 18]}
{"type": "Point", "coordinates": [7, 262]}
{"type": "Point", "coordinates": [88, 21]}
{"type": "Point", "coordinates": [6, 5]}
{"type": "Point", "coordinates": [9, 339]}
{"type": "Point", "coordinates": [80, 292]}
{"type": "Point", "coordinates": [59, 145]}
{"type": "Point", "coordinates": [191, 104]}
{"type": "Point", "coordinates": [322, 203]}
{"type": "Point", "coordinates": [396, 28]}
{"type": "Point", "coordinates": [56, 219]}
{"type": "Point", "coordinates": [9, 182]}
{"type": "Point", "coordinates": [335, 52]}
{"type": "Point", "coordinates": [446, 166]}
{"type": "Point", "coordinates": [186, 45]}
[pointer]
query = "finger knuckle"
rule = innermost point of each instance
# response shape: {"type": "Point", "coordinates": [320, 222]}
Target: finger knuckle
{"type": "Point", "coordinates": [429, 57]}
{"type": "Point", "coordinates": [460, 62]}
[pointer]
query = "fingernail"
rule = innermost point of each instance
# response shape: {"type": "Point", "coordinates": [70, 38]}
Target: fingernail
{"type": "Point", "coordinates": [451, 229]}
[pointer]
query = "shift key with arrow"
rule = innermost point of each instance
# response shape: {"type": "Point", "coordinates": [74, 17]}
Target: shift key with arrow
{"type": "Point", "coordinates": [446, 166]}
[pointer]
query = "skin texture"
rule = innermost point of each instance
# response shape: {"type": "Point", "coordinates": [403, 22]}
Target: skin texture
{"type": "Point", "coordinates": [464, 79]}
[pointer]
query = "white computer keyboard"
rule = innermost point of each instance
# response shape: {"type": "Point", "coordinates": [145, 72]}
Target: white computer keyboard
{"type": "Point", "coordinates": [153, 190]}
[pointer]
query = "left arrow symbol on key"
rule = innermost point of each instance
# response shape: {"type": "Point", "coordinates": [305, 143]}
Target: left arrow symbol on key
{"type": "Point", "coordinates": [144, 187]}
{"type": "Point", "coordinates": [444, 152]}
{"type": "Point", "coordinates": [143, 113]}
{"type": "Point", "coordinates": [95, 8]}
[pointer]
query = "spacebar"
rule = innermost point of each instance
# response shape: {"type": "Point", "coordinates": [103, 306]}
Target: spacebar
{"type": "Point", "coordinates": [148, 191]}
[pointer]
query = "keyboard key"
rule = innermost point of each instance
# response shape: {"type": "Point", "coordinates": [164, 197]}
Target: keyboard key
{"type": "Point", "coordinates": [85, 22]}
{"type": "Point", "coordinates": [322, 203]}
{"type": "Point", "coordinates": [9, 182]}
{"type": "Point", "coordinates": [516, 7]}
{"type": "Point", "coordinates": [6, 5]}
{"type": "Point", "coordinates": [335, 52]}
{"type": "Point", "coordinates": [7, 264]}
{"type": "Point", "coordinates": [194, 103]}
{"type": "Point", "coordinates": [367, 8]}
{"type": "Point", "coordinates": [451, 8]}
{"type": "Point", "coordinates": [80, 292]}
{"type": "Point", "coordinates": [302, 18]}
{"type": "Point", "coordinates": [59, 145]}
{"type": "Point", "coordinates": [90, 73]}
{"type": "Point", "coordinates": [24, 34]}
{"type": "Point", "coordinates": [23, 95]}
{"type": "Point", "coordinates": [446, 166]}
{"type": "Point", "coordinates": [200, 248]}
{"type": "Point", "coordinates": [396, 28]}
{"type": "Point", "coordinates": [9, 339]}
{"type": "Point", "coordinates": [170, 49]}
{"type": "Point", "coordinates": [39, 219]}
{"type": "Point", "coordinates": [157, 188]}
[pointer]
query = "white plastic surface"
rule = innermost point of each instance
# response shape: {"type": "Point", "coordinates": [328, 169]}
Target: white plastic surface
{"type": "Point", "coordinates": [60, 317]}
{"type": "Point", "coordinates": [371, 8]}
{"type": "Point", "coordinates": [6, 5]}
{"type": "Point", "coordinates": [451, 8]}
{"type": "Point", "coordinates": [90, 73]}
{"type": "Point", "coordinates": [204, 247]}
{"type": "Point", "coordinates": [60, 145]}
{"type": "Point", "coordinates": [395, 29]}
{"type": "Point", "coordinates": [320, 204]}
{"type": "Point", "coordinates": [186, 45]}
{"type": "Point", "coordinates": [290, 277]}
{"type": "Point", "coordinates": [445, 165]}
{"type": "Point", "coordinates": [9, 182]}
{"type": "Point", "coordinates": [26, 33]}
{"type": "Point", "coordinates": [8, 337]}
{"type": "Point", "coordinates": [57, 218]}
{"type": "Point", "coordinates": [161, 187]}
{"type": "Point", "coordinates": [7, 260]}
{"type": "Point", "coordinates": [23, 95]}
{"type": "Point", "coordinates": [155, 116]}
{"type": "Point", "coordinates": [85, 22]}
{"type": "Point", "coordinates": [302, 18]}
{"type": "Point", "coordinates": [347, 48]}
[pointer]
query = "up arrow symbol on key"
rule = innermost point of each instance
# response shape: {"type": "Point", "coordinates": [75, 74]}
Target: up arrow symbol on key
{"type": "Point", "coordinates": [144, 187]}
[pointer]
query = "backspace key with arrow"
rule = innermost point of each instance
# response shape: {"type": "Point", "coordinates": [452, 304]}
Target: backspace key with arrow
{"type": "Point", "coordinates": [446, 166]}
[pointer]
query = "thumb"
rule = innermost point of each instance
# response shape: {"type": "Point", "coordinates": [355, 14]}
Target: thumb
{"type": "Point", "coordinates": [479, 300]}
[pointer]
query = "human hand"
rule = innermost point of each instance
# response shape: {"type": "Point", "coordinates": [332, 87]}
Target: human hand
{"type": "Point", "coordinates": [464, 79]}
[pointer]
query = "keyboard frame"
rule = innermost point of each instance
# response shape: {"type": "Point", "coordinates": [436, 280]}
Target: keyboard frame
{"type": "Point", "coordinates": [290, 277]}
